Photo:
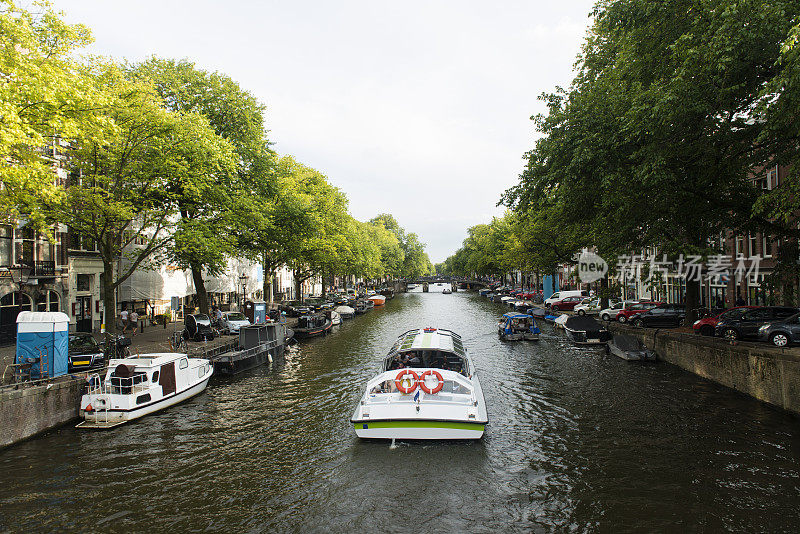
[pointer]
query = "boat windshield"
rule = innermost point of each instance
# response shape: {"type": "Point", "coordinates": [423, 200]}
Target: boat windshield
{"type": "Point", "coordinates": [426, 358]}
{"type": "Point", "coordinates": [236, 316]}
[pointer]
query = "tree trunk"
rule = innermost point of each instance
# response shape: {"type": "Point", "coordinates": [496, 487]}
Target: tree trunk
{"type": "Point", "coordinates": [692, 301]}
{"type": "Point", "coordinates": [322, 277]}
{"type": "Point", "coordinates": [200, 289]}
{"type": "Point", "coordinates": [297, 284]}
{"type": "Point", "coordinates": [109, 301]}
{"type": "Point", "coordinates": [604, 292]}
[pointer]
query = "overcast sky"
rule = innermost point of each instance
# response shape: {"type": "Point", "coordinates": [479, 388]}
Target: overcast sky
{"type": "Point", "coordinates": [419, 109]}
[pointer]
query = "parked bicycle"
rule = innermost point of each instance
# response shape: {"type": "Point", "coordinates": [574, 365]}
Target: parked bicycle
{"type": "Point", "coordinates": [178, 341]}
{"type": "Point", "coordinates": [119, 347]}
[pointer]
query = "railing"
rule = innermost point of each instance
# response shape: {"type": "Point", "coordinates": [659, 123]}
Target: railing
{"type": "Point", "coordinates": [45, 268]}
{"type": "Point", "coordinates": [449, 376]}
{"type": "Point", "coordinates": [116, 385]}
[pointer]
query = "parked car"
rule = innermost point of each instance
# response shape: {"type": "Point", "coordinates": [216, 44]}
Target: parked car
{"type": "Point", "coordinates": [320, 304]}
{"type": "Point", "coordinates": [748, 324]}
{"type": "Point", "coordinates": [625, 314]}
{"type": "Point", "coordinates": [232, 321]}
{"type": "Point", "coordinates": [610, 313]}
{"type": "Point", "coordinates": [706, 325]}
{"type": "Point", "coordinates": [566, 303]}
{"type": "Point", "coordinates": [781, 333]}
{"type": "Point", "coordinates": [560, 295]}
{"type": "Point", "coordinates": [590, 306]}
{"type": "Point", "coordinates": [295, 308]}
{"type": "Point", "coordinates": [664, 316]}
{"type": "Point", "coordinates": [84, 352]}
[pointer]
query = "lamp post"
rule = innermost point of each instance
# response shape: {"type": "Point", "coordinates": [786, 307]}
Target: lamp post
{"type": "Point", "coordinates": [243, 283]}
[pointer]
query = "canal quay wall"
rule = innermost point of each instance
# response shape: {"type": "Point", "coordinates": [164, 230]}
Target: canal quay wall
{"type": "Point", "coordinates": [767, 373]}
{"type": "Point", "coordinates": [31, 409]}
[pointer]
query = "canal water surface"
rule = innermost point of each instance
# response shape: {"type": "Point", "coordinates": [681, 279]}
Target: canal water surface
{"type": "Point", "coordinates": [577, 441]}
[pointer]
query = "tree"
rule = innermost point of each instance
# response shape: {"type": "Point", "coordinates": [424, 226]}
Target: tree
{"type": "Point", "coordinates": [210, 203]}
{"type": "Point", "coordinates": [45, 94]}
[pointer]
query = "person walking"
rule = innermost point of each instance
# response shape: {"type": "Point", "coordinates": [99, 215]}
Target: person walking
{"type": "Point", "coordinates": [133, 319]}
{"type": "Point", "coordinates": [123, 318]}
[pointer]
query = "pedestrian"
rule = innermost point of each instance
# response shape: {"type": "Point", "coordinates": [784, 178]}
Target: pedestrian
{"type": "Point", "coordinates": [123, 318]}
{"type": "Point", "coordinates": [133, 318]}
{"type": "Point", "coordinates": [739, 300]}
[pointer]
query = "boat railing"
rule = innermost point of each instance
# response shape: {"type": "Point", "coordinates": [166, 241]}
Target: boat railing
{"type": "Point", "coordinates": [452, 376]}
{"type": "Point", "coordinates": [115, 385]}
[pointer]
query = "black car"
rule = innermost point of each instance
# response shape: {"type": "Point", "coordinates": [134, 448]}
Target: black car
{"type": "Point", "coordinates": [664, 316]}
{"type": "Point", "coordinates": [84, 352]}
{"type": "Point", "coordinates": [295, 308]}
{"type": "Point", "coordinates": [781, 333]}
{"type": "Point", "coordinates": [747, 325]}
{"type": "Point", "coordinates": [198, 327]}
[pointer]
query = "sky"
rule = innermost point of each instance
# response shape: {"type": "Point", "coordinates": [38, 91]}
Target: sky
{"type": "Point", "coordinates": [418, 109]}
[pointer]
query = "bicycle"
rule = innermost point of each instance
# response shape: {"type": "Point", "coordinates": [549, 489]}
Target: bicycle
{"type": "Point", "coordinates": [177, 341]}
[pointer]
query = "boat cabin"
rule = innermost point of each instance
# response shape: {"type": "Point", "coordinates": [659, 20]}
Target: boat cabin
{"type": "Point", "coordinates": [428, 348]}
{"type": "Point", "coordinates": [512, 323]}
{"type": "Point", "coordinates": [312, 321]}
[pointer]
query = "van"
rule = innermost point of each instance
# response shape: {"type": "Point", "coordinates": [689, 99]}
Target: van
{"type": "Point", "coordinates": [558, 295]}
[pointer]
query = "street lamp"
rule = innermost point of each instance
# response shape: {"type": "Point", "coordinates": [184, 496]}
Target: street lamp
{"type": "Point", "coordinates": [243, 283]}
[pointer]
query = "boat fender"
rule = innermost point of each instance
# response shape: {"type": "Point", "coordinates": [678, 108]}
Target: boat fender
{"type": "Point", "coordinates": [406, 376]}
{"type": "Point", "coordinates": [439, 383]}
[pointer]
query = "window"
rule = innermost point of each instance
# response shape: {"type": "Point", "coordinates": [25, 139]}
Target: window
{"type": "Point", "coordinates": [24, 245]}
{"type": "Point", "coordinates": [143, 398]}
{"type": "Point", "coordinates": [772, 178]}
{"type": "Point", "coordinates": [6, 246]}
{"type": "Point", "coordinates": [47, 301]}
{"type": "Point", "coordinates": [753, 244]}
{"type": "Point", "coordinates": [155, 377]}
{"type": "Point", "coordinates": [766, 246]}
{"type": "Point", "coordinates": [85, 282]}
{"type": "Point", "coordinates": [184, 363]}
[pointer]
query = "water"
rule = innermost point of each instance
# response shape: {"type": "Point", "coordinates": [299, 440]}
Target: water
{"type": "Point", "coordinates": [578, 441]}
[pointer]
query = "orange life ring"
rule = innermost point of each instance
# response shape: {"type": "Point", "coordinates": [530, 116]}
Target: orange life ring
{"type": "Point", "coordinates": [405, 374]}
{"type": "Point", "coordinates": [439, 385]}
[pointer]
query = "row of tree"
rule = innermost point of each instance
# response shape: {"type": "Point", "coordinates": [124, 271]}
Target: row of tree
{"type": "Point", "coordinates": [674, 108]}
{"type": "Point", "coordinates": [167, 163]}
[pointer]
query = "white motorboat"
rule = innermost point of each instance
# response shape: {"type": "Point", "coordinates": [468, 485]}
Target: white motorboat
{"type": "Point", "coordinates": [345, 312]}
{"type": "Point", "coordinates": [447, 291]}
{"type": "Point", "coordinates": [140, 385]}
{"type": "Point", "coordinates": [427, 389]}
{"type": "Point", "coordinates": [336, 319]}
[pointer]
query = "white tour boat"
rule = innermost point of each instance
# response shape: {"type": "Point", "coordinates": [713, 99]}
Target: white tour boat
{"type": "Point", "coordinates": [139, 385]}
{"type": "Point", "coordinates": [427, 389]}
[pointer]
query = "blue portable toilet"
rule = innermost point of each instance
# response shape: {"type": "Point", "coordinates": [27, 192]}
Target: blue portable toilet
{"type": "Point", "coordinates": [256, 311]}
{"type": "Point", "coordinates": [547, 283]}
{"type": "Point", "coordinates": [45, 335]}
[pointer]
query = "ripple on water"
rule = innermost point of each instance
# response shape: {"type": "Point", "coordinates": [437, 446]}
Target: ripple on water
{"type": "Point", "coordinates": [576, 441]}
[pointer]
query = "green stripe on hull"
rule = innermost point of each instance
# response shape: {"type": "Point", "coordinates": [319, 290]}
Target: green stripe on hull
{"type": "Point", "coordinates": [418, 424]}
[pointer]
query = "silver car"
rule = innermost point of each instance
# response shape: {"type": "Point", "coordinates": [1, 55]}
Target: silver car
{"type": "Point", "coordinates": [232, 321]}
{"type": "Point", "coordinates": [611, 313]}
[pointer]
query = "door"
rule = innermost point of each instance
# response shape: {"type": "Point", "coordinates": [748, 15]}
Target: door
{"type": "Point", "coordinates": [166, 379]}
{"type": "Point", "coordinates": [752, 321]}
{"type": "Point", "coordinates": [83, 314]}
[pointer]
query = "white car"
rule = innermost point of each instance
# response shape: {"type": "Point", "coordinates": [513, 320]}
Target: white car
{"type": "Point", "coordinates": [560, 295]}
{"type": "Point", "coordinates": [232, 321]}
{"type": "Point", "coordinates": [611, 313]}
{"type": "Point", "coordinates": [589, 306]}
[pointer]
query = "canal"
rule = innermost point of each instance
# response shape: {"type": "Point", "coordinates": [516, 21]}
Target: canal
{"type": "Point", "coordinates": [577, 441]}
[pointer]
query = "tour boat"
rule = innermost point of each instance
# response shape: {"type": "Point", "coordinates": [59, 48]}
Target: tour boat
{"type": "Point", "coordinates": [427, 389]}
{"type": "Point", "coordinates": [140, 385]}
{"type": "Point", "coordinates": [378, 300]}
{"type": "Point", "coordinates": [516, 327]}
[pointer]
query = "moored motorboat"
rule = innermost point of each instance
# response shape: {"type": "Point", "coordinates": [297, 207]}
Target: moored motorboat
{"type": "Point", "coordinates": [140, 385]}
{"type": "Point", "coordinates": [446, 291]}
{"type": "Point", "coordinates": [312, 326]}
{"type": "Point", "coordinates": [585, 330]}
{"type": "Point", "coordinates": [516, 327]}
{"type": "Point", "coordinates": [630, 348]}
{"type": "Point", "coordinates": [361, 307]}
{"type": "Point", "coordinates": [485, 291]}
{"type": "Point", "coordinates": [346, 312]}
{"type": "Point", "coordinates": [427, 389]}
{"type": "Point", "coordinates": [560, 321]}
{"type": "Point", "coordinates": [377, 300]}
{"type": "Point", "coordinates": [335, 318]}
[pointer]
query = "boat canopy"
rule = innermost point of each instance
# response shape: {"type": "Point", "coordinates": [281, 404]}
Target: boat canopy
{"type": "Point", "coordinates": [516, 315]}
{"type": "Point", "coordinates": [428, 348]}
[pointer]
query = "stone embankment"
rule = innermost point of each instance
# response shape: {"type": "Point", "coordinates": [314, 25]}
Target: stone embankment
{"type": "Point", "coordinates": [767, 373]}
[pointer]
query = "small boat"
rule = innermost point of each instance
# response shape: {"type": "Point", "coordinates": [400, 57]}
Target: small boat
{"type": "Point", "coordinates": [140, 385]}
{"type": "Point", "coordinates": [377, 300]}
{"type": "Point", "coordinates": [427, 388]}
{"type": "Point", "coordinates": [312, 326]}
{"type": "Point", "coordinates": [409, 287]}
{"type": "Point", "coordinates": [335, 318]}
{"type": "Point", "coordinates": [630, 348]}
{"type": "Point", "coordinates": [585, 330]}
{"type": "Point", "coordinates": [346, 312]}
{"type": "Point", "coordinates": [561, 320]}
{"type": "Point", "coordinates": [446, 291]}
{"type": "Point", "coordinates": [522, 306]}
{"type": "Point", "coordinates": [484, 292]}
{"type": "Point", "coordinates": [258, 344]}
{"type": "Point", "coordinates": [387, 292]}
{"type": "Point", "coordinates": [513, 303]}
{"type": "Point", "coordinates": [516, 327]}
{"type": "Point", "coordinates": [361, 307]}
{"type": "Point", "coordinates": [369, 304]}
